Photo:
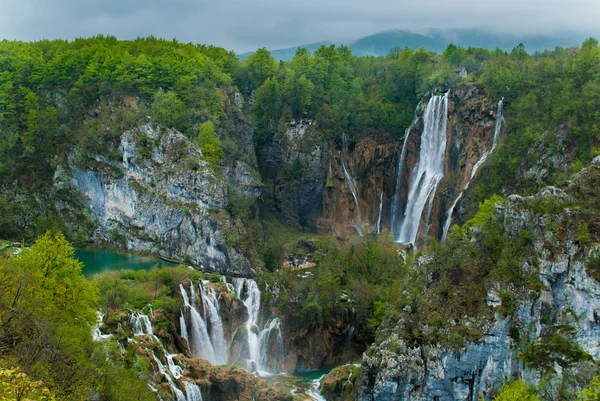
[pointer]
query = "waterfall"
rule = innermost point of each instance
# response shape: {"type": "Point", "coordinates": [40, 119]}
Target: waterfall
{"type": "Point", "coordinates": [314, 391]}
{"type": "Point", "coordinates": [252, 303]}
{"type": "Point", "coordinates": [210, 305]}
{"type": "Point", "coordinates": [184, 329]}
{"type": "Point", "coordinates": [397, 211]}
{"type": "Point", "coordinates": [161, 368]}
{"type": "Point", "coordinates": [429, 170]}
{"type": "Point", "coordinates": [192, 392]}
{"type": "Point", "coordinates": [97, 334]}
{"type": "Point", "coordinates": [200, 342]}
{"type": "Point", "coordinates": [270, 361]}
{"type": "Point", "coordinates": [140, 324]}
{"type": "Point", "coordinates": [260, 342]}
{"type": "Point", "coordinates": [352, 186]}
{"type": "Point", "coordinates": [378, 227]}
{"type": "Point", "coordinates": [482, 159]}
{"type": "Point", "coordinates": [175, 369]}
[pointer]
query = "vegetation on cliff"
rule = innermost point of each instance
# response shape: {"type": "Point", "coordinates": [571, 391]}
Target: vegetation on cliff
{"type": "Point", "coordinates": [57, 96]}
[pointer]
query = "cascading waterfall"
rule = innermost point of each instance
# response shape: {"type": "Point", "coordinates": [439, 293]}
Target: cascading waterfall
{"type": "Point", "coordinates": [352, 186]}
{"type": "Point", "coordinates": [270, 361]}
{"type": "Point", "coordinates": [205, 335]}
{"type": "Point", "coordinates": [97, 334]}
{"type": "Point", "coordinates": [482, 159]}
{"type": "Point", "coordinates": [179, 395]}
{"type": "Point", "coordinates": [140, 324]}
{"type": "Point", "coordinates": [314, 391]}
{"type": "Point", "coordinates": [210, 305]}
{"type": "Point", "coordinates": [252, 303]}
{"type": "Point", "coordinates": [397, 210]}
{"type": "Point", "coordinates": [199, 339]}
{"type": "Point", "coordinates": [192, 392]}
{"type": "Point", "coordinates": [259, 341]}
{"type": "Point", "coordinates": [378, 226]}
{"type": "Point", "coordinates": [429, 170]}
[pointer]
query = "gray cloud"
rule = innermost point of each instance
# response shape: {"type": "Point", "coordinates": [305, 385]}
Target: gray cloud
{"type": "Point", "coordinates": [245, 25]}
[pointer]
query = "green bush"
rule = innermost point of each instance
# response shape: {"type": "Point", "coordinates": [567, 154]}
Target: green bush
{"type": "Point", "coordinates": [516, 391]}
{"type": "Point", "coordinates": [210, 144]}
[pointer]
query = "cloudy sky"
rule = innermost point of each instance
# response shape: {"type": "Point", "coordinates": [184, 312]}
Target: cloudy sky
{"type": "Point", "coordinates": [244, 25]}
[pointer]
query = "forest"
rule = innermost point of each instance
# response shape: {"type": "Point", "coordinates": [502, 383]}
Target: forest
{"type": "Point", "coordinates": [53, 101]}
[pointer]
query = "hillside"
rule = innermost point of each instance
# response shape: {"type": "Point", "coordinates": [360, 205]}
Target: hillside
{"type": "Point", "coordinates": [436, 40]}
{"type": "Point", "coordinates": [426, 234]}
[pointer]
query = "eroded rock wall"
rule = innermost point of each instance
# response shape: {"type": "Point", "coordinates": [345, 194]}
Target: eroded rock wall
{"type": "Point", "coordinates": [569, 295]}
{"type": "Point", "coordinates": [162, 198]}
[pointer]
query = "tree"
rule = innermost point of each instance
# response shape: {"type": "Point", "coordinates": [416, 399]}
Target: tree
{"type": "Point", "coordinates": [210, 144]}
{"type": "Point", "coordinates": [167, 108]}
{"type": "Point", "coordinates": [16, 386]}
{"type": "Point", "coordinates": [260, 66]}
{"type": "Point", "coordinates": [592, 393]}
{"type": "Point", "coordinates": [516, 391]}
{"type": "Point", "coordinates": [267, 110]}
{"type": "Point", "coordinates": [46, 310]}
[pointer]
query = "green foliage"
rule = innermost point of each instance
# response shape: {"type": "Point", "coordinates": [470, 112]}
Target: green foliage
{"type": "Point", "coordinates": [167, 108]}
{"type": "Point", "coordinates": [542, 92]}
{"type": "Point", "coordinates": [554, 346]}
{"type": "Point", "coordinates": [367, 272]}
{"type": "Point", "coordinates": [591, 393]}
{"type": "Point", "coordinates": [516, 391]}
{"type": "Point", "coordinates": [16, 386]}
{"type": "Point", "coordinates": [47, 308]}
{"type": "Point", "coordinates": [485, 212]}
{"type": "Point", "coordinates": [210, 144]}
{"type": "Point", "coordinates": [583, 233]}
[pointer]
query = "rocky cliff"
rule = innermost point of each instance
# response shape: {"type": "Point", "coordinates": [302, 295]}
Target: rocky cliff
{"type": "Point", "coordinates": [372, 164]}
{"type": "Point", "coordinates": [161, 197]}
{"type": "Point", "coordinates": [521, 341]}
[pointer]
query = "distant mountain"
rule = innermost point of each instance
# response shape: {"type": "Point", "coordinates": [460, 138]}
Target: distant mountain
{"type": "Point", "coordinates": [437, 40]}
{"type": "Point", "coordinates": [288, 53]}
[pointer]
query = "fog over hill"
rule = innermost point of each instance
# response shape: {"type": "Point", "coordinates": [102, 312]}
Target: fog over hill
{"type": "Point", "coordinates": [437, 40]}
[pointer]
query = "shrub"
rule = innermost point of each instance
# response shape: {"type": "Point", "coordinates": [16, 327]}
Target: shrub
{"type": "Point", "coordinates": [516, 391]}
{"type": "Point", "coordinates": [210, 144]}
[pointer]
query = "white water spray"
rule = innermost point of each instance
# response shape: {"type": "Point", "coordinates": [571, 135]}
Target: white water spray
{"type": "Point", "coordinates": [259, 341]}
{"type": "Point", "coordinates": [482, 159]}
{"type": "Point", "coordinates": [378, 227]}
{"type": "Point", "coordinates": [210, 304]}
{"type": "Point", "coordinates": [352, 186]}
{"type": "Point", "coordinates": [430, 169]}
{"type": "Point", "coordinates": [197, 331]}
{"type": "Point", "coordinates": [397, 209]}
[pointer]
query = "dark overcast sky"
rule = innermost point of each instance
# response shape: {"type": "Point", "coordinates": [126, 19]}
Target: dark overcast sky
{"type": "Point", "coordinates": [244, 25]}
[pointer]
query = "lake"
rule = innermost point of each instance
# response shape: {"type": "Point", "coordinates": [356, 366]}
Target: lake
{"type": "Point", "coordinates": [97, 260]}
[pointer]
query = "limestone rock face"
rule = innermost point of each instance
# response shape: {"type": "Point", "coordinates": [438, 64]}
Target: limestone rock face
{"type": "Point", "coordinates": [293, 168]}
{"type": "Point", "coordinates": [372, 163]}
{"type": "Point", "coordinates": [162, 198]}
{"type": "Point", "coordinates": [395, 370]}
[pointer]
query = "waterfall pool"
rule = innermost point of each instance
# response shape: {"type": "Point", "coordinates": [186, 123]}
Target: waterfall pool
{"type": "Point", "coordinates": [98, 260]}
{"type": "Point", "coordinates": [307, 382]}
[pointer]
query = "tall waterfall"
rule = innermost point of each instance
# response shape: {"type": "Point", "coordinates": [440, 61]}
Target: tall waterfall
{"type": "Point", "coordinates": [210, 304]}
{"type": "Point", "coordinates": [429, 170]}
{"type": "Point", "coordinates": [353, 189]}
{"type": "Point", "coordinates": [378, 226]}
{"type": "Point", "coordinates": [200, 342]}
{"type": "Point", "coordinates": [482, 159]}
{"type": "Point", "coordinates": [260, 342]}
{"type": "Point", "coordinates": [205, 334]}
{"type": "Point", "coordinates": [397, 210]}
